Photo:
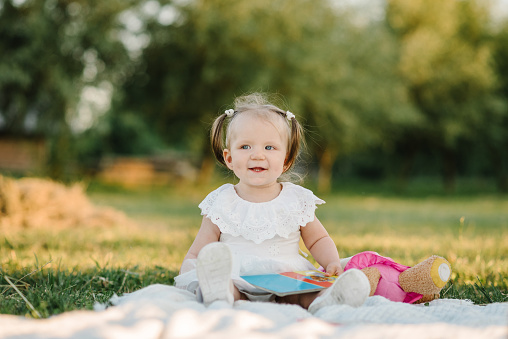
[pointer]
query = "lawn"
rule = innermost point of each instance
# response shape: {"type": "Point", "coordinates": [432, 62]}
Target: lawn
{"type": "Point", "coordinates": [46, 271]}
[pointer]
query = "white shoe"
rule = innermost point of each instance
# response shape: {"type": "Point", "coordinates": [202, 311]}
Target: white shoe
{"type": "Point", "coordinates": [351, 288]}
{"type": "Point", "coordinates": [214, 266]}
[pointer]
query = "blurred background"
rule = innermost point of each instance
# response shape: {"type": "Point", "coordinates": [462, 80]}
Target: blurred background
{"type": "Point", "coordinates": [124, 91]}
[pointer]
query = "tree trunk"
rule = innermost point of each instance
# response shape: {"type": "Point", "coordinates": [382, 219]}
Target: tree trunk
{"type": "Point", "coordinates": [206, 171]}
{"type": "Point", "coordinates": [499, 168]}
{"type": "Point", "coordinates": [325, 170]}
{"type": "Point", "coordinates": [60, 154]}
{"type": "Point", "coordinates": [502, 182]}
{"type": "Point", "coordinates": [207, 165]}
{"type": "Point", "coordinates": [405, 169]}
{"type": "Point", "coordinates": [449, 170]}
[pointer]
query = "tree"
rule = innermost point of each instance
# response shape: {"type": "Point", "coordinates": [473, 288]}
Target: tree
{"type": "Point", "coordinates": [337, 76]}
{"type": "Point", "coordinates": [216, 50]}
{"type": "Point", "coordinates": [51, 50]}
{"type": "Point", "coordinates": [446, 63]}
{"type": "Point", "coordinates": [357, 101]}
{"type": "Point", "coordinates": [494, 133]}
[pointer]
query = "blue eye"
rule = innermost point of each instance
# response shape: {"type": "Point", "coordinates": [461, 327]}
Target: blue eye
{"type": "Point", "coordinates": [269, 148]}
{"type": "Point", "coordinates": [245, 147]}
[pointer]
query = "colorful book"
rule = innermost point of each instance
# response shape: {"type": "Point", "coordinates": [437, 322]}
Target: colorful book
{"type": "Point", "coordinates": [288, 283]}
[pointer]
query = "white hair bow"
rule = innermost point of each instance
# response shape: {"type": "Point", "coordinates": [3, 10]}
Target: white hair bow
{"type": "Point", "coordinates": [289, 115]}
{"type": "Point", "coordinates": [230, 112]}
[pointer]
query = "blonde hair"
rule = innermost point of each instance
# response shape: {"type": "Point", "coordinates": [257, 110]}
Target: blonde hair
{"type": "Point", "coordinates": [257, 103]}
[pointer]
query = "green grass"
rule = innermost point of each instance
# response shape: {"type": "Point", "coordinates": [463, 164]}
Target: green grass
{"type": "Point", "coordinates": [67, 269]}
{"type": "Point", "coordinates": [53, 291]}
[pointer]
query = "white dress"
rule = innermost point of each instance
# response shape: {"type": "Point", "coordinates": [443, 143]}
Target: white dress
{"type": "Point", "coordinates": [263, 237]}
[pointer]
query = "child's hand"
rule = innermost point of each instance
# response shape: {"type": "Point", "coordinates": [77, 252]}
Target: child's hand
{"type": "Point", "coordinates": [334, 269]}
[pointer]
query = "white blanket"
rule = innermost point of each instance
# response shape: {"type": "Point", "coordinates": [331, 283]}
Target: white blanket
{"type": "Point", "coordinates": [160, 311]}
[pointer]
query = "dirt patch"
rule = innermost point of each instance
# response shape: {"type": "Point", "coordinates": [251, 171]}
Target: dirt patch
{"type": "Point", "coordinates": [36, 203]}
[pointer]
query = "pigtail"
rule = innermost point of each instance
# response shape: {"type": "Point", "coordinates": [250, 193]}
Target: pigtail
{"type": "Point", "coordinates": [295, 142]}
{"type": "Point", "coordinates": [217, 138]}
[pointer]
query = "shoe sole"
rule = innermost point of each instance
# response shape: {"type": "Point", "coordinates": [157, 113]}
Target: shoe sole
{"type": "Point", "coordinates": [351, 288]}
{"type": "Point", "coordinates": [214, 266]}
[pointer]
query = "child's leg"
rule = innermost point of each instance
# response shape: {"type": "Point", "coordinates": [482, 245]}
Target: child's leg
{"type": "Point", "coordinates": [351, 288]}
{"type": "Point", "coordinates": [303, 299]}
{"type": "Point", "coordinates": [239, 295]}
{"type": "Point", "coordinates": [214, 266]}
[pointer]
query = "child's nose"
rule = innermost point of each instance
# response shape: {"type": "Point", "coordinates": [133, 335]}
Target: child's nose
{"type": "Point", "coordinates": [257, 154]}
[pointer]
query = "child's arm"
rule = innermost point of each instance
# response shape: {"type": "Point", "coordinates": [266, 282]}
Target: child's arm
{"type": "Point", "coordinates": [208, 233]}
{"type": "Point", "coordinates": [321, 246]}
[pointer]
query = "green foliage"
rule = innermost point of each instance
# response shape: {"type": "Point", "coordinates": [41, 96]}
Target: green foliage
{"type": "Point", "coordinates": [52, 50]}
{"type": "Point", "coordinates": [495, 133]}
{"type": "Point", "coordinates": [130, 135]}
{"type": "Point", "coordinates": [323, 68]}
{"type": "Point", "coordinates": [46, 48]}
{"type": "Point", "coordinates": [446, 61]}
{"type": "Point", "coordinates": [426, 78]}
{"type": "Point", "coordinates": [500, 42]}
{"type": "Point", "coordinates": [218, 49]}
{"type": "Point", "coordinates": [358, 100]}
{"type": "Point", "coordinates": [316, 57]}
{"type": "Point", "coordinates": [118, 134]}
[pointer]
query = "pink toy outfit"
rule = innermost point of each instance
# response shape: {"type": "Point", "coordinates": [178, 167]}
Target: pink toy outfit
{"type": "Point", "coordinates": [388, 285]}
{"type": "Point", "coordinates": [263, 237]}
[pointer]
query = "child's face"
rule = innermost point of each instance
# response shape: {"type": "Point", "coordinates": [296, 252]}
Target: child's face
{"type": "Point", "coordinates": [257, 151]}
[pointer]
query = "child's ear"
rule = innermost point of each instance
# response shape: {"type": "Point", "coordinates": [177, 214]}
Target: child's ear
{"type": "Point", "coordinates": [226, 154]}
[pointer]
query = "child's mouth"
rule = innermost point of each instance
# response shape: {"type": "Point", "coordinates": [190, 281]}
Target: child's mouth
{"type": "Point", "coordinates": [257, 169]}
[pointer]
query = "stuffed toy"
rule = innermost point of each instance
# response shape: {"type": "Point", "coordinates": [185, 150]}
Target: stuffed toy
{"type": "Point", "coordinates": [418, 284]}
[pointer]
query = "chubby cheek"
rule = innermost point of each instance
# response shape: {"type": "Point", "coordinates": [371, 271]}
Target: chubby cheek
{"type": "Point", "coordinates": [237, 163]}
{"type": "Point", "coordinates": [281, 165]}
{"type": "Point", "coordinates": [282, 169]}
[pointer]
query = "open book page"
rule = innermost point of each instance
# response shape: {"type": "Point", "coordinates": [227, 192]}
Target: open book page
{"type": "Point", "coordinates": [288, 283]}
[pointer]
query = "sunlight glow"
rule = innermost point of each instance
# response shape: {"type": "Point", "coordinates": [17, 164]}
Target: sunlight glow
{"type": "Point", "coordinates": [94, 102]}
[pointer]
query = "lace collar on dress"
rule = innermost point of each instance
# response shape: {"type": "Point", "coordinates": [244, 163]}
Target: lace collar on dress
{"type": "Point", "coordinates": [292, 208]}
